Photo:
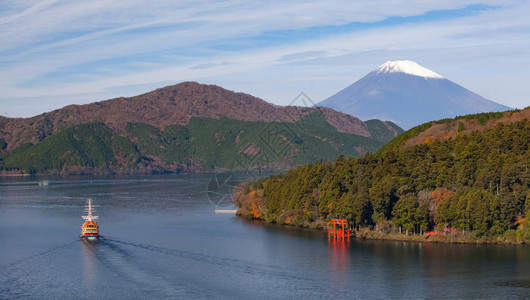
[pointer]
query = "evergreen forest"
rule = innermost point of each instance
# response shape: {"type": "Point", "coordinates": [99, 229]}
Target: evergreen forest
{"type": "Point", "coordinates": [477, 184]}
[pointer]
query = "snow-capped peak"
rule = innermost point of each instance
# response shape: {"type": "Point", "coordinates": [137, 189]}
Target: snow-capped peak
{"type": "Point", "coordinates": [408, 67]}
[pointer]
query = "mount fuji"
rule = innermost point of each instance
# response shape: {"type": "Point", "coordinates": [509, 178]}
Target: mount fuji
{"type": "Point", "coordinates": [407, 94]}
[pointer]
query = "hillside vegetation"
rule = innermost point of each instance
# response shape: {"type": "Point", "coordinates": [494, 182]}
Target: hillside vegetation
{"type": "Point", "coordinates": [475, 186]}
{"type": "Point", "coordinates": [451, 128]}
{"type": "Point", "coordinates": [187, 127]}
{"type": "Point", "coordinates": [176, 105]}
{"type": "Point", "coordinates": [204, 144]}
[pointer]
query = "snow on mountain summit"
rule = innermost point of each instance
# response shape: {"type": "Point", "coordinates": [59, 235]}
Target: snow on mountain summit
{"type": "Point", "coordinates": [408, 67]}
{"type": "Point", "coordinates": [408, 95]}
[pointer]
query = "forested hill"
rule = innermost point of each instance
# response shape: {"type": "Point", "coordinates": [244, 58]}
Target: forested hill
{"type": "Point", "coordinates": [176, 105]}
{"type": "Point", "coordinates": [476, 183]}
{"type": "Point", "coordinates": [451, 128]}
{"type": "Point", "coordinates": [188, 127]}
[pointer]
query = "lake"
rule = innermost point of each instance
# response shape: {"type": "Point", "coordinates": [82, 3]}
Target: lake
{"type": "Point", "coordinates": [162, 239]}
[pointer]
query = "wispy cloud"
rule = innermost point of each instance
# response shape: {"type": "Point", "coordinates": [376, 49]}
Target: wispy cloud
{"type": "Point", "coordinates": [89, 49]}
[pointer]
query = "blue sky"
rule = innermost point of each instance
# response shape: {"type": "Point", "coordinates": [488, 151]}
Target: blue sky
{"type": "Point", "coordinates": [55, 53]}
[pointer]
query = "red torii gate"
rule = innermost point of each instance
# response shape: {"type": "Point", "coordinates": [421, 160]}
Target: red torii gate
{"type": "Point", "coordinates": [339, 232]}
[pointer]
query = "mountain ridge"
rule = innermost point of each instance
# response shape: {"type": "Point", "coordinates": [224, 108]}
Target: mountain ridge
{"type": "Point", "coordinates": [170, 105]}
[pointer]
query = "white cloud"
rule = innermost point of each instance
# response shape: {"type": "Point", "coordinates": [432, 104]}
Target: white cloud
{"type": "Point", "coordinates": [109, 46]}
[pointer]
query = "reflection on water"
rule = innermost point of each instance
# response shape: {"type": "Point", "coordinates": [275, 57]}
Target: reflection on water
{"type": "Point", "coordinates": [339, 261]}
{"type": "Point", "coordinates": [163, 240]}
{"type": "Point", "coordinates": [89, 248]}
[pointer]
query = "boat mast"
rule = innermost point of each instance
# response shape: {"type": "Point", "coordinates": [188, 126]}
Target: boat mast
{"type": "Point", "coordinates": [88, 208]}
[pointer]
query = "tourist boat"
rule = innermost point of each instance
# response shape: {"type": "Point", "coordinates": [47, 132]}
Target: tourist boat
{"type": "Point", "coordinates": [90, 229]}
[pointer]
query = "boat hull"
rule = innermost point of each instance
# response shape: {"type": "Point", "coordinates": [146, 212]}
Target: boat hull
{"type": "Point", "coordinates": [90, 237]}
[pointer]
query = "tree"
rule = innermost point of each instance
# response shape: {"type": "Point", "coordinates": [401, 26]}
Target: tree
{"type": "Point", "coordinates": [404, 212]}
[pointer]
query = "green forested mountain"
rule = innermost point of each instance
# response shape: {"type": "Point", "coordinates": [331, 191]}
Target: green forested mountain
{"type": "Point", "coordinates": [476, 183]}
{"type": "Point", "coordinates": [204, 144]}
{"type": "Point", "coordinates": [77, 149]}
{"type": "Point", "coordinates": [186, 127]}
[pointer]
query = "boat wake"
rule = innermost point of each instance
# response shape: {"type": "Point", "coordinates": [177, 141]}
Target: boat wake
{"type": "Point", "coordinates": [16, 278]}
{"type": "Point", "coordinates": [80, 266]}
{"type": "Point", "coordinates": [127, 267]}
{"type": "Point", "coordinates": [243, 266]}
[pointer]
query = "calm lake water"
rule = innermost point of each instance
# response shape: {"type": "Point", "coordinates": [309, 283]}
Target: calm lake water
{"type": "Point", "coordinates": [162, 239]}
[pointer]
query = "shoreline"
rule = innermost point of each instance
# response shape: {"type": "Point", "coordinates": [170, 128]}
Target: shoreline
{"type": "Point", "coordinates": [368, 234]}
{"type": "Point", "coordinates": [252, 207]}
{"type": "Point", "coordinates": [443, 239]}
